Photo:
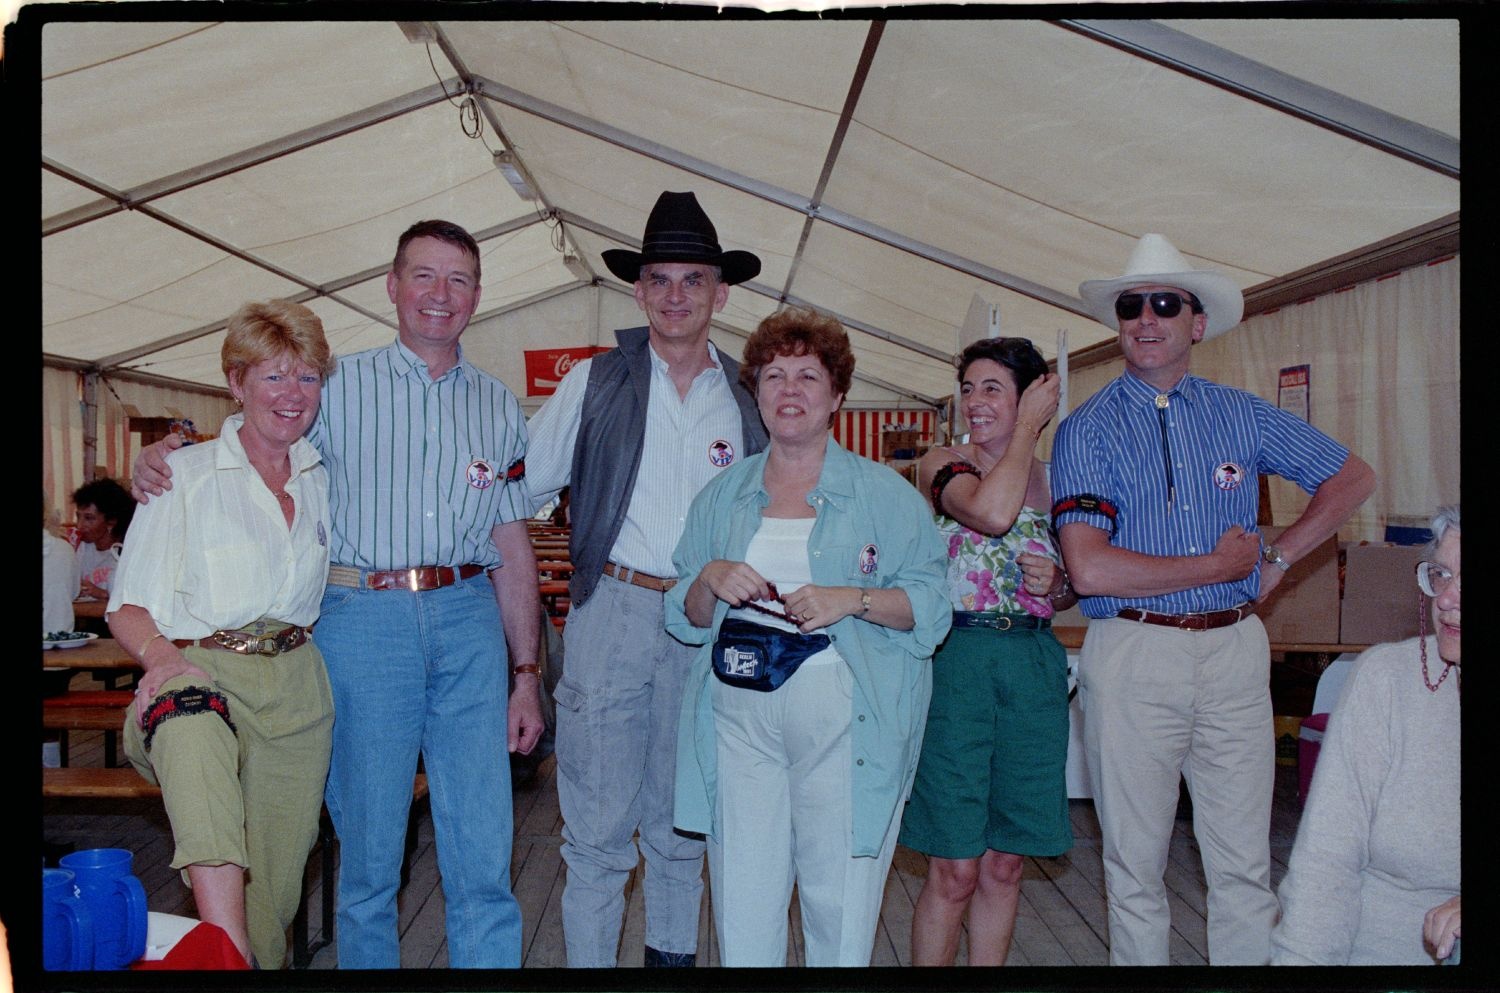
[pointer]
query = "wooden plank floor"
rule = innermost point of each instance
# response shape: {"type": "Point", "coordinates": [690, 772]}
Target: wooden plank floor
{"type": "Point", "coordinates": [1062, 919]}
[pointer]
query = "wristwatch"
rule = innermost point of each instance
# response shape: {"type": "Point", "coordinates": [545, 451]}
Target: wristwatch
{"type": "Point", "coordinates": [1272, 556]}
{"type": "Point", "coordinates": [864, 603]}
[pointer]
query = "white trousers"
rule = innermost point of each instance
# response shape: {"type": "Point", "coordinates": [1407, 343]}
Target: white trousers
{"type": "Point", "coordinates": [784, 815]}
{"type": "Point", "coordinates": [1157, 703]}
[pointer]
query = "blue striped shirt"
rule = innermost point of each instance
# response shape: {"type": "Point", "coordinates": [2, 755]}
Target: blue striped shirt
{"type": "Point", "coordinates": [1220, 439]}
{"type": "Point", "coordinates": [417, 467]}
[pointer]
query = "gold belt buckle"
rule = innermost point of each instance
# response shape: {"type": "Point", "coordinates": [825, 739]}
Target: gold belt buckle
{"type": "Point", "coordinates": [1007, 626]}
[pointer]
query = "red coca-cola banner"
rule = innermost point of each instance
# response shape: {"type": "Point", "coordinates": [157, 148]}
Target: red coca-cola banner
{"type": "Point", "coordinates": [545, 367]}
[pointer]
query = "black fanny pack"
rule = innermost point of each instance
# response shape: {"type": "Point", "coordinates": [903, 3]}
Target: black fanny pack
{"type": "Point", "coordinates": [755, 657]}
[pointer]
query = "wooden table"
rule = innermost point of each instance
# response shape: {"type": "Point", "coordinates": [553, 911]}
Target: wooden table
{"type": "Point", "coordinates": [90, 608]}
{"type": "Point", "coordinates": [104, 653]}
{"type": "Point", "coordinates": [104, 658]}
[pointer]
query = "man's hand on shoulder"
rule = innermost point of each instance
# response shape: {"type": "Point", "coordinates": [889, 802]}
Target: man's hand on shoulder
{"type": "Point", "coordinates": [150, 475]}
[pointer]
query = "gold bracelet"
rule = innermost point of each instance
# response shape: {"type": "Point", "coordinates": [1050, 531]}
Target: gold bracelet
{"type": "Point", "coordinates": [142, 654]}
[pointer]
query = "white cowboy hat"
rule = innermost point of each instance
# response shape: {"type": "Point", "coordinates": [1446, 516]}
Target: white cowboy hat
{"type": "Point", "coordinates": [1155, 261]}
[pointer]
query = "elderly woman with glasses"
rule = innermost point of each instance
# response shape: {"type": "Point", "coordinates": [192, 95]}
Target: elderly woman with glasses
{"type": "Point", "coordinates": [814, 580]}
{"type": "Point", "coordinates": [221, 580]}
{"type": "Point", "coordinates": [1374, 874]}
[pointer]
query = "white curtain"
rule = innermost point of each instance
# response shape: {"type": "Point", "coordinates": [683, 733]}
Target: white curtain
{"type": "Point", "coordinates": [62, 427]}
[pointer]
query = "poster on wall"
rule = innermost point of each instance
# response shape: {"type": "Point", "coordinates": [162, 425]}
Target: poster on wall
{"type": "Point", "coordinates": [545, 367]}
{"type": "Point", "coordinates": [1292, 391]}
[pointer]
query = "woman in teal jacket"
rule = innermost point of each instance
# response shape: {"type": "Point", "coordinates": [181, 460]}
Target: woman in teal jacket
{"type": "Point", "coordinates": [797, 772]}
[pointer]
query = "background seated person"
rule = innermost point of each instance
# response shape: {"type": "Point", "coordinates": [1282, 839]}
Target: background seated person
{"type": "Point", "coordinates": [104, 511]}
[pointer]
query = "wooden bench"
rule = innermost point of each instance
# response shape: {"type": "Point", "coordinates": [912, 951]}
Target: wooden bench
{"type": "Point", "coordinates": [58, 714]}
{"type": "Point", "coordinates": [126, 784]}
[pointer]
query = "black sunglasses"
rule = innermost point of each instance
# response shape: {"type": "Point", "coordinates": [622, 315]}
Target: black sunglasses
{"type": "Point", "coordinates": [1128, 306]}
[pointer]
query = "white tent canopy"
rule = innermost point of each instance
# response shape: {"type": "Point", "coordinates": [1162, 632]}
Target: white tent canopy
{"type": "Point", "coordinates": [884, 171]}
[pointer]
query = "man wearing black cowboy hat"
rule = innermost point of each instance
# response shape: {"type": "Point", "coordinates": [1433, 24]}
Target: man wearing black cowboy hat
{"type": "Point", "coordinates": [637, 432]}
{"type": "Point", "coordinates": [1156, 507]}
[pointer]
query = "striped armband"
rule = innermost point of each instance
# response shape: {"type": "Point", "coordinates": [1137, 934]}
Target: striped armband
{"type": "Point", "coordinates": [185, 702]}
{"type": "Point", "coordinates": [1090, 503]}
{"type": "Point", "coordinates": [944, 476]}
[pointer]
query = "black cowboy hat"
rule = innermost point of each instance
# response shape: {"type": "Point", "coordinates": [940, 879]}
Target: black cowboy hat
{"type": "Point", "coordinates": [679, 231]}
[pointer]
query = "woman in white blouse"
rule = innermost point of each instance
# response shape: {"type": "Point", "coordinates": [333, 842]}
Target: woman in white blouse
{"type": "Point", "coordinates": [220, 581]}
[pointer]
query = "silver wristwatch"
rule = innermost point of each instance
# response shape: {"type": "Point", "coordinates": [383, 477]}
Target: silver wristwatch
{"type": "Point", "coordinates": [1272, 556]}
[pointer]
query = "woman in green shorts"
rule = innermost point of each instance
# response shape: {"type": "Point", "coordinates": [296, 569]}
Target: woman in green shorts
{"type": "Point", "coordinates": [990, 786]}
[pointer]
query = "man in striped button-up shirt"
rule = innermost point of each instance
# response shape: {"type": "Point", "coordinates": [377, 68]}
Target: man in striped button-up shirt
{"type": "Point", "coordinates": [427, 505]}
{"type": "Point", "coordinates": [1154, 480]}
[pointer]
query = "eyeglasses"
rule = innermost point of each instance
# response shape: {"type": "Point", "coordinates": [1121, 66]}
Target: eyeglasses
{"type": "Point", "coordinates": [1128, 306]}
{"type": "Point", "coordinates": [1434, 580]}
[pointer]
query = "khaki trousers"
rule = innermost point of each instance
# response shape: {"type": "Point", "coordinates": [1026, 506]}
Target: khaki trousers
{"type": "Point", "coordinates": [1159, 702]}
{"type": "Point", "coordinates": [250, 796]}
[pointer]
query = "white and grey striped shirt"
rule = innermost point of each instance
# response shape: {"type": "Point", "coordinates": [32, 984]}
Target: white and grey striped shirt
{"type": "Point", "coordinates": [417, 468]}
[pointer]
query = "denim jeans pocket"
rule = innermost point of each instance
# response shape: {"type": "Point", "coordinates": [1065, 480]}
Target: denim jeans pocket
{"type": "Point", "coordinates": [335, 597]}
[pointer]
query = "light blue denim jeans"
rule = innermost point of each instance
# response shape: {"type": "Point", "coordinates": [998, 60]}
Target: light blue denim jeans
{"type": "Point", "coordinates": [618, 705]}
{"type": "Point", "coordinates": [420, 672]}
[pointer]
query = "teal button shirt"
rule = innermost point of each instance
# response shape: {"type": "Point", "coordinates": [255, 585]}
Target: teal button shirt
{"type": "Point", "coordinates": [859, 504]}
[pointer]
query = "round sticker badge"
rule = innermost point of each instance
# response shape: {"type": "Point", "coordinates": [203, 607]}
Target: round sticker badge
{"type": "Point", "coordinates": [869, 558]}
{"type": "Point", "coordinates": [1227, 475]}
{"type": "Point", "coordinates": [721, 453]}
{"type": "Point", "coordinates": [481, 474]}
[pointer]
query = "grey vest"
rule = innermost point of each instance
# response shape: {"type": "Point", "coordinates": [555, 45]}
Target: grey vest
{"type": "Point", "coordinates": [607, 454]}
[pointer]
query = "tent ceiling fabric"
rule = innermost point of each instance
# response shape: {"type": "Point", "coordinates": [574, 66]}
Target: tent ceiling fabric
{"type": "Point", "coordinates": [1010, 159]}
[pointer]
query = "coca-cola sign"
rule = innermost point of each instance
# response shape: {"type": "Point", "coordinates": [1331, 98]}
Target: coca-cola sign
{"type": "Point", "coordinates": [545, 367]}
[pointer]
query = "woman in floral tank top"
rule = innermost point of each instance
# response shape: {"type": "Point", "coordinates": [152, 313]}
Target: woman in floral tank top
{"type": "Point", "coordinates": [990, 787]}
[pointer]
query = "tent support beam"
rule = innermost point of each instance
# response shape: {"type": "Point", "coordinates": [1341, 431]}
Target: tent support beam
{"type": "Point", "coordinates": [851, 100]}
{"type": "Point", "coordinates": [773, 194]}
{"type": "Point", "coordinates": [229, 164]}
{"type": "Point", "coordinates": [133, 376]}
{"type": "Point", "coordinates": [330, 290]}
{"type": "Point", "coordinates": [1255, 81]}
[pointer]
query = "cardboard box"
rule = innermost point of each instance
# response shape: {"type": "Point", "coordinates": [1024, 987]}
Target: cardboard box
{"type": "Point", "coordinates": [1380, 593]}
{"type": "Point", "coordinates": [1305, 608]}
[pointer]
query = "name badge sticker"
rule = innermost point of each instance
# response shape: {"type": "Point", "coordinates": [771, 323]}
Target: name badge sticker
{"type": "Point", "coordinates": [1227, 475]}
{"type": "Point", "coordinates": [481, 474]}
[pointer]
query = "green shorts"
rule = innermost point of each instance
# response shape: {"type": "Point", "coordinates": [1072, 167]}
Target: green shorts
{"type": "Point", "coordinates": [992, 771]}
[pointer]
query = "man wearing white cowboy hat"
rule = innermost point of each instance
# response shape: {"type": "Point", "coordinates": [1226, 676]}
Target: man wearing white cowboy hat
{"type": "Point", "coordinates": [1156, 498]}
{"type": "Point", "coordinates": [637, 432]}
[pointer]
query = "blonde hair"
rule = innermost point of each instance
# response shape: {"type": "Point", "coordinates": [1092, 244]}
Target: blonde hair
{"type": "Point", "coordinates": [261, 331]}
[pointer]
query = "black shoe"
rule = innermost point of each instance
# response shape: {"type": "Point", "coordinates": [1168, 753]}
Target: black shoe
{"type": "Point", "coordinates": [669, 960]}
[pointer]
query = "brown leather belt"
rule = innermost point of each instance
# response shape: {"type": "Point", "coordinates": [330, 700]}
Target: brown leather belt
{"type": "Point", "coordinates": [1190, 622]}
{"type": "Point", "coordinates": [248, 642]}
{"type": "Point", "coordinates": [414, 580]}
{"type": "Point", "coordinates": [646, 580]}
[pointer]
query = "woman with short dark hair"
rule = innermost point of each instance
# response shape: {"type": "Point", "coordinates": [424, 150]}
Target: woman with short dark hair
{"type": "Point", "coordinates": [990, 788]}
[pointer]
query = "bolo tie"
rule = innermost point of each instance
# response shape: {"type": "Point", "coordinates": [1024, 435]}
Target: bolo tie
{"type": "Point", "coordinates": [1162, 402]}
